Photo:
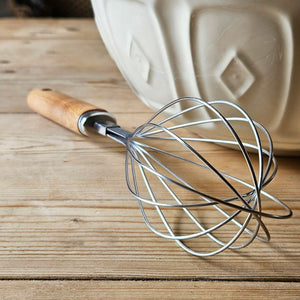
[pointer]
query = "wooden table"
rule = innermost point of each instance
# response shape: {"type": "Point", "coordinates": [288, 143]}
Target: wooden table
{"type": "Point", "coordinates": [69, 229]}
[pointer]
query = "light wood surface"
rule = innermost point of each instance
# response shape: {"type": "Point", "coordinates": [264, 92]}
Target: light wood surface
{"type": "Point", "coordinates": [58, 107]}
{"type": "Point", "coordinates": [69, 228]}
{"type": "Point", "coordinates": [175, 290]}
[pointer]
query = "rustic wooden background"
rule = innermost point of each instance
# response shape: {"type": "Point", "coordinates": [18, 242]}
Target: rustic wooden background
{"type": "Point", "coordinates": [69, 229]}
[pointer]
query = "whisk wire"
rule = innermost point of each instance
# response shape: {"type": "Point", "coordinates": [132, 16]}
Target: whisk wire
{"type": "Point", "coordinates": [142, 154]}
{"type": "Point", "coordinates": [204, 231]}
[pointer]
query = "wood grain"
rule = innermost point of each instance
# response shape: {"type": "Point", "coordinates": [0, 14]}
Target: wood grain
{"type": "Point", "coordinates": [49, 29]}
{"type": "Point", "coordinates": [60, 108]}
{"type": "Point", "coordinates": [107, 289]}
{"type": "Point", "coordinates": [65, 211]}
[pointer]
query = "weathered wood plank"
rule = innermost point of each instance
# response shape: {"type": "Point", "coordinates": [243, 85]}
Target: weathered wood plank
{"type": "Point", "coordinates": [61, 59]}
{"type": "Point", "coordinates": [98, 238]}
{"type": "Point", "coordinates": [45, 29]}
{"type": "Point", "coordinates": [72, 61]}
{"type": "Point", "coordinates": [147, 290]}
{"type": "Point", "coordinates": [114, 96]}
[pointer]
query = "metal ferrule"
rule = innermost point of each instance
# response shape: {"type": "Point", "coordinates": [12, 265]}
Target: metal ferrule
{"type": "Point", "coordinates": [87, 120]}
{"type": "Point", "coordinates": [103, 123]}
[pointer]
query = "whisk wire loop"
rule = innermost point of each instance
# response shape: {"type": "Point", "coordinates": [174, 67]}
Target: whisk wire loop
{"type": "Point", "coordinates": [143, 158]}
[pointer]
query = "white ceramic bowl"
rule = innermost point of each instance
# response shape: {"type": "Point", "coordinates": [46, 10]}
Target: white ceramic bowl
{"type": "Point", "coordinates": [245, 51]}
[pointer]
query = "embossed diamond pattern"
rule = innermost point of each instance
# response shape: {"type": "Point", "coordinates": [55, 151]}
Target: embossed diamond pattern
{"type": "Point", "coordinates": [237, 77]}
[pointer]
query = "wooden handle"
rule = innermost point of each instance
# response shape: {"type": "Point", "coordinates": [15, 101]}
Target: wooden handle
{"type": "Point", "coordinates": [59, 107]}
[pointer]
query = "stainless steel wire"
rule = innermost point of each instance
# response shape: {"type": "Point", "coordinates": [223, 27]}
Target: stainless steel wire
{"type": "Point", "coordinates": [155, 153]}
